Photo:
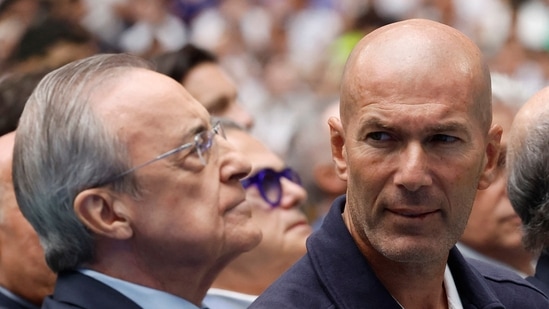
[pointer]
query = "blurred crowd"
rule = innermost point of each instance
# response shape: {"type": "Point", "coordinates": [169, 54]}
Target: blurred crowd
{"type": "Point", "coordinates": [286, 56]}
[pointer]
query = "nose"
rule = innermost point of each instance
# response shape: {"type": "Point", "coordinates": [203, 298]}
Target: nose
{"type": "Point", "coordinates": [233, 164]}
{"type": "Point", "coordinates": [293, 194]}
{"type": "Point", "coordinates": [413, 169]}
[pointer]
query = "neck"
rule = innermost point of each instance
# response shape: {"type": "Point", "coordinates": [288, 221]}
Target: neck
{"type": "Point", "coordinates": [188, 281]}
{"type": "Point", "coordinates": [412, 284]}
{"type": "Point", "coordinates": [251, 273]}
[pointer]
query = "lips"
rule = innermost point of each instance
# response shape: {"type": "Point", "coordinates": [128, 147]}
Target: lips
{"type": "Point", "coordinates": [297, 224]}
{"type": "Point", "coordinates": [413, 213]}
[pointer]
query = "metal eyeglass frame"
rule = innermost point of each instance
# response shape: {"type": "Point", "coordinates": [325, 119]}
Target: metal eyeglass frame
{"type": "Point", "coordinates": [202, 142]}
{"type": "Point", "coordinates": [261, 178]}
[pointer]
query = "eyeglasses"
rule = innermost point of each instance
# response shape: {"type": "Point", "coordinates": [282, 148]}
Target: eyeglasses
{"type": "Point", "coordinates": [268, 182]}
{"type": "Point", "coordinates": [202, 143]}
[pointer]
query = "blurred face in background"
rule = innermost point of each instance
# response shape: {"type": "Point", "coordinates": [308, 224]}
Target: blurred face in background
{"type": "Point", "coordinates": [493, 227]}
{"type": "Point", "coordinates": [212, 87]}
{"type": "Point", "coordinates": [23, 269]}
{"type": "Point", "coordinates": [284, 225]}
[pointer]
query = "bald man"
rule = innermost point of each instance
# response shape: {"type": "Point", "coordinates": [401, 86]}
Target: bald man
{"type": "Point", "coordinates": [25, 279]}
{"type": "Point", "coordinates": [414, 143]}
{"type": "Point", "coordinates": [528, 183]}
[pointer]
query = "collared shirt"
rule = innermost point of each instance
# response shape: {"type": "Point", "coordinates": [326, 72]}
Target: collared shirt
{"type": "Point", "coordinates": [225, 299]}
{"type": "Point", "coordinates": [454, 302]}
{"type": "Point", "coordinates": [145, 297]}
{"type": "Point", "coordinates": [452, 295]}
{"type": "Point", "coordinates": [17, 299]}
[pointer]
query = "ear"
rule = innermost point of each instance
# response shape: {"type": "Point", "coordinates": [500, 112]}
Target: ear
{"type": "Point", "coordinates": [326, 178]}
{"type": "Point", "coordinates": [491, 157]}
{"type": "Point", "coordinates": [103, 213]}
{"type": "Point", "coordinates": [337, 140]}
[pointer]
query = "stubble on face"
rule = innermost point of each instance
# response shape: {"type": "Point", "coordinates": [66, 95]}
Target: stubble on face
{"type": "Point", "coordinates": [369, 214]}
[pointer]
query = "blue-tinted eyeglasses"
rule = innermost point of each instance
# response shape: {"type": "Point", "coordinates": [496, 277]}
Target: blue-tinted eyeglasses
{"type": "Point", "coordinates": [202, 142]}
{"type": "Point", "coordinates": [268, 183]}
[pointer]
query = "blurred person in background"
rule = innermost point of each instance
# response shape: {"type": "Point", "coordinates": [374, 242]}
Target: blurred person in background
{"type": "Point", "coordinates": [25, 279]}
{"type": "Point", "coordinates": [528, 183]}
{"type": "Point", "coordinates": [15, 89]}
{"type": "Point", "coordinates": [310, 153]}
{"type": "Point", "coordinates": [276, 196]}
{"type": "Point", "coordinates": [205, 79]}
{"type": "Point", "coordinates": [493, 232]}
{"type": "Point", "coordinates": [50, 44]}
{"type": "Point", "coordinates": [152, 29]}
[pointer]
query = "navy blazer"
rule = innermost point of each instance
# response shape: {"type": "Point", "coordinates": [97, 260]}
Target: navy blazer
{"type": "Point", "coordinates": [8, 303]}
{"type": "Point", "coordinates": [76, 290]}
{"type": "Point", "coordinates": [335, 274]}
{"type": "Point", "coordinates": [541, 279]}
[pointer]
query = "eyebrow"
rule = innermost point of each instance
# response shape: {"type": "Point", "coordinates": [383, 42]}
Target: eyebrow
{"type": "Point", "coordinates": [450, 126]}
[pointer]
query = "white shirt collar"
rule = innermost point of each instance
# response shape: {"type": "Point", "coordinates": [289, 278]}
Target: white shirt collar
{"type": "Point", "coordinates": [452, 295]}
{"type": "Point", "coordinates": [145, 297]}
{"type": "Point", "coordinates": [219, 298]}
{"type": "Point", "coordinates": [454, 302]}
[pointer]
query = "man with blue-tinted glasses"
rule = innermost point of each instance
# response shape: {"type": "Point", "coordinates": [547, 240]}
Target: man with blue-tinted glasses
{"type": "Point", "coordinates": [135, 196]}
{"type": "Point", "coordinates": [275, 195]}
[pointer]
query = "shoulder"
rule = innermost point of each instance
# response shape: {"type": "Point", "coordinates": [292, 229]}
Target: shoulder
{"type": "Point", "coordinates": [76, 290]}
{"type": "Point", "coordinates": [510, 288]}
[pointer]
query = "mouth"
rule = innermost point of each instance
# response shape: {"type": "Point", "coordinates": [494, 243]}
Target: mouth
{"type": "Point", "coordinates": [413, 214]}
{"type": "Point", "coordinates": [299, 224]}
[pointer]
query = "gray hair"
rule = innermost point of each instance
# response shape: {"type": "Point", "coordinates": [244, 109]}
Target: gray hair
{"type": "Point", "coordinates": [63, 148]}
{"type": "Point", "coordinates": [528, 184]}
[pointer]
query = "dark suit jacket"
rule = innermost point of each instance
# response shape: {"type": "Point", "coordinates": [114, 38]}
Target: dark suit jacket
{"type": "Point", "coordinates": [8, 303]}
{"type": "Point", "coordinates": [76, 290]}
{"type": "Point", "coordinates": [541, 279]}
{"type": "Point", "coordinates": [334, 274]}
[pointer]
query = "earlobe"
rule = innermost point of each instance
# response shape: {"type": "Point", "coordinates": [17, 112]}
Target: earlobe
{"type": "Point", "coordinates": [492, 155]}
{"type": "Point", "coordinates": [103, 213]}
{"type": "Point", "coordinates": [337, 140]}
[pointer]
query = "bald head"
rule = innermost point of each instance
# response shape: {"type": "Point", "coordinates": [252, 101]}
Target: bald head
{"type": "Point", "coordinates": [410, 52]}
{"type": "Point", "coordinates": [528, 117]}
{"type": "Point", "coordinates": [528, 165]}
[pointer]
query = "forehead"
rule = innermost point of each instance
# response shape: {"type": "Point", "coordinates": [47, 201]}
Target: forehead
{"type": "Point", "coordinates": [254, 150]}
{"type": "Point", "coordinates": [145, 106]}
{"type": "Point", "coordinates": [208, 82]}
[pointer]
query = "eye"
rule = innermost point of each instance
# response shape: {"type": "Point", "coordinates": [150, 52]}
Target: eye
{"type": "Point", "coordinates": [379, 136]}
{"type": "Point", "coordinates": [443, 138]}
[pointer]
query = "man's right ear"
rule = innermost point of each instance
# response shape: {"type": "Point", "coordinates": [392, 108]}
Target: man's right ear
{"type": "Point", "coordinates": [337, 140]}
{"type": "Point", "coordinates": [101, 211]}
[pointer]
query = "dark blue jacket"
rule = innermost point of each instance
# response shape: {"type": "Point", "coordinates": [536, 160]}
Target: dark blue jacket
{"type": "Point", "coordinates": [76, 290]}
{"type": "Point", "coordinates": [8, 303]}
{"type": "Point", "coordinates": [541, 279]}
{"type": "Point", "coordinates": [334, 274]}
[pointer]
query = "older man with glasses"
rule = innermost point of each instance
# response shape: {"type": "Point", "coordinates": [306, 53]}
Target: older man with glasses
{"type": "Point", "coordinates": [275, 194]}
{"type": "Point", "coordinates": [125, 221]}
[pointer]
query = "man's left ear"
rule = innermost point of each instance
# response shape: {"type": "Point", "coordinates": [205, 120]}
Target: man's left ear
{"type": "Point", "coordinates": [104, 213]}
{"type": "Point", "coordinates": [491, 157]}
